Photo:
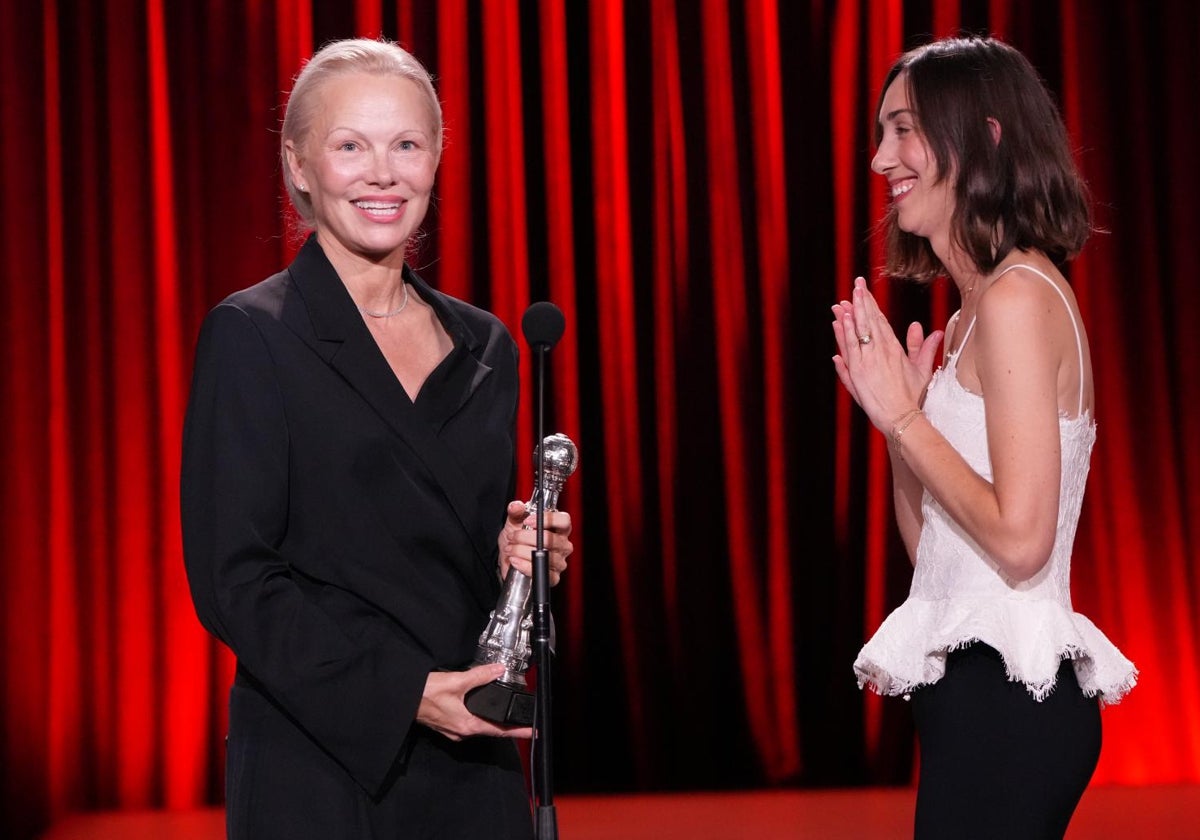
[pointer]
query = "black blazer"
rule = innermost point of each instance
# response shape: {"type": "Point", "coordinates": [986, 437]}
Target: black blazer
{"type": "Point", "coordinates": [339, 537]}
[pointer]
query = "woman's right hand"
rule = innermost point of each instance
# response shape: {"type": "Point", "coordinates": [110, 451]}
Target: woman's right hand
{"type": "Point", "coordinates": [518, 539]}
{"type": "Point", "coordinates": [443, 706]}
{"type": "Point", "coordinates": [884, 378]}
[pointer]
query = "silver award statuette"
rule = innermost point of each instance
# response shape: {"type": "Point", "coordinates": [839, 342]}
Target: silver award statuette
{"type": "Point", "coordinates": [507, 700]}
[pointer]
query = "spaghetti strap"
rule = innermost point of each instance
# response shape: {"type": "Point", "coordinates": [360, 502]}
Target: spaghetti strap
{"type": "Point", "coordinates": [966, 335]}
{"type": "Point", "coordinates": [1074, 323]}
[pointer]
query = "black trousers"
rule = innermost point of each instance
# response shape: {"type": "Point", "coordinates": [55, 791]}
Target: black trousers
{"type": "Point", "coordinates": [281, 786]}
{"type": "Point", "coordinates": [995, 762]}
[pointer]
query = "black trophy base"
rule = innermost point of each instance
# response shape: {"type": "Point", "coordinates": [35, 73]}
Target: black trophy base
{"type": "Point", "coordinates": [501, 703]}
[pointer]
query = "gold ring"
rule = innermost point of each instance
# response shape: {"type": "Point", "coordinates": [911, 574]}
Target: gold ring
{"type": "Point", "coordinates": [864, 339]}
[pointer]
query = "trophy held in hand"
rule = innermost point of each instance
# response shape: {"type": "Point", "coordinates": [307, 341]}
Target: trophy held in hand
{"type": "Point", "coordinates": [507, 700]}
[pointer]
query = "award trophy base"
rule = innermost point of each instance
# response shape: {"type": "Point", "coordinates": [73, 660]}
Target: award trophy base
{"type": "Point", "coordinates": [507, 705]}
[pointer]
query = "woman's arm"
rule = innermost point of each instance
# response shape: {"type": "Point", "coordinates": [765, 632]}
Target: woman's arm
{"type": "Point", "coordinates": [1016, 348]}
{"type": "Point", "coordinates": [907, 492]}
{"type": "Point", "coordinates": [323, 654]}
{"type": "Point", "coordinates": [911, 370]}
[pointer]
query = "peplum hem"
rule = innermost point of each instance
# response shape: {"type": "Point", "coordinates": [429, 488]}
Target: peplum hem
{"type": "Point", "coordinates": [909, 649]}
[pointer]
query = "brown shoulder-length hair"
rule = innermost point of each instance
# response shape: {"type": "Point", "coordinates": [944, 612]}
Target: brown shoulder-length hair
{"type": "Point", "coordinates": [1024, 191]}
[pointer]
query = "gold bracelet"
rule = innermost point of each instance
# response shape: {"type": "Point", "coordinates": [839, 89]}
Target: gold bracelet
{"type": "Point", "coordinates": [900, 425]}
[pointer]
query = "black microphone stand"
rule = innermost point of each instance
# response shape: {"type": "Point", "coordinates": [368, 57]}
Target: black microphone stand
{"type": "Point", "coordinates": [545, 818]}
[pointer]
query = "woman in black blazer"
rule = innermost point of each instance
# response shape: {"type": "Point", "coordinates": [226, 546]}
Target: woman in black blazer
{"type": "Point", "coordinates": [347, 473]}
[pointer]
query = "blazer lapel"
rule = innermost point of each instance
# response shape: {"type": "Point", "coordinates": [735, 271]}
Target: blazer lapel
{"type": "Point", "coordinates": [329, 322]}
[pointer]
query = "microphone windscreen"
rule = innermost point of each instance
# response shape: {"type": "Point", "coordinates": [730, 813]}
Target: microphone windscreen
{"type": "Point", "coordinates": [543, 324]}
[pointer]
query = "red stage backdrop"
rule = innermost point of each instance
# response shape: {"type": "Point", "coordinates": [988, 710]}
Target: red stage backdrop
{"type": "Point", "coordinates": [689, 182]}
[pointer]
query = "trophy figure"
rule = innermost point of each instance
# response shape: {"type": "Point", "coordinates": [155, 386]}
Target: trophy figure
{"type": "Point", "coordinates": [507, 700]}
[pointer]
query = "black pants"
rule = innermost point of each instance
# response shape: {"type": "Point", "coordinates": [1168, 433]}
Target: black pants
{"type": "Point", "coordinates": [995, 763]}
{"type": "Point", "coordinates": [281, 786]}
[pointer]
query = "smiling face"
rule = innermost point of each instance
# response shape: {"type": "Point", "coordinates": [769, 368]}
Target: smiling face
{"type": "Point", "coordinates": [368, 163]}
{"type": "Point", "coordinates": [924, 201]}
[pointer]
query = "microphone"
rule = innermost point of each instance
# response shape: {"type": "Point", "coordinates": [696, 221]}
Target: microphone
{"type": "Point", "coordinates": [543, 325]}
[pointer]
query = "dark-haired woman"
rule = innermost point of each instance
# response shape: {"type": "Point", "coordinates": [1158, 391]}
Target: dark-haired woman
{"type": "Point", "coordinates": [990, 452]}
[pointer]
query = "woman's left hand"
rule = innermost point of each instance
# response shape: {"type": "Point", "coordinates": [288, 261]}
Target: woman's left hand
{"type": "Point", "coordinates": [885, 378]}
{"type": "Point", "coordinates": [518, 539]}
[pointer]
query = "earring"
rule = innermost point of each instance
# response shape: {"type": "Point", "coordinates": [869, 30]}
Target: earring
{"type": "Point", "coordinates": [302, 188]}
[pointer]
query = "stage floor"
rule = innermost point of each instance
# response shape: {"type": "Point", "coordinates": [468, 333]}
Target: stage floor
{"type": "Point", "coordinates": [1161, 812]}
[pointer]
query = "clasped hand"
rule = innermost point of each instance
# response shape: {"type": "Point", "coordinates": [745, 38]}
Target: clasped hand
{"type": "Point", "coordinates": [885, 378]}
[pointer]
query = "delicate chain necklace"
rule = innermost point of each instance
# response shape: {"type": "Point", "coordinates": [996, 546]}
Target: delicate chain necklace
{"type": "Point", "coordinates": [395, 311]}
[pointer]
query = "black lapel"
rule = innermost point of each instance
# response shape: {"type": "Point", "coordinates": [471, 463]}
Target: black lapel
{"type": "Point", "coordinates": [328, 321]}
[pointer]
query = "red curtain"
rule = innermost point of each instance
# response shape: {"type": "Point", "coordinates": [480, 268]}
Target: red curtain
{"type": "Point", "coordinates": [689, 183]}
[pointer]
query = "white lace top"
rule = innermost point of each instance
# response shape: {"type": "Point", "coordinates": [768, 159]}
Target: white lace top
{"type": "Point", "coordinates": [959, 595]}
